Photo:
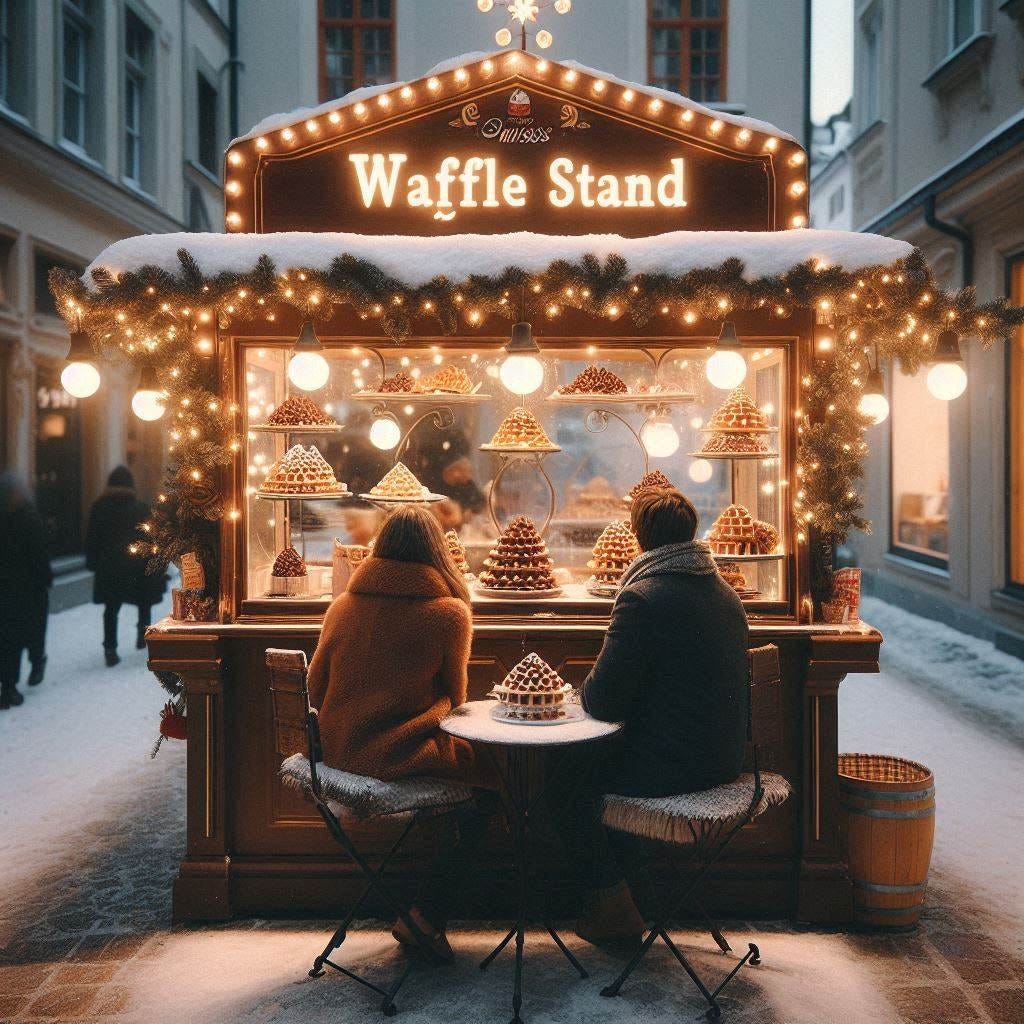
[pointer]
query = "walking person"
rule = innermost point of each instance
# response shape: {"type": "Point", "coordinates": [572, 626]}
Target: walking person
{"type": "Point", "coordinates": [25, 578]}
{"type": "Point", "coordinates": [119, 576]}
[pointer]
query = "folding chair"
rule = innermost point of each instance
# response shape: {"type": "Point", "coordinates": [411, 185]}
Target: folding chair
{"type": "Point", "coordinates": [706, 822]}
{"type": "Point", "coordinates": [337, 795]}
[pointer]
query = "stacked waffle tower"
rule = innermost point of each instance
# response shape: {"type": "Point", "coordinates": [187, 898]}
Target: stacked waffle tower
{"type": "Point", "coordinates": [614, 550]}
{"type": "Point", "coordinates": [300, 411]}
{"type": "Point", "coordinates": [399, 484]}
{"type": "Point", "coordinates": [451, 380]}
{"type": "Point", "coordinates": [649, 481]}
{"type": "Point", "coordinates": [733, 533]}
{"type": "Point", "coordinates": [457, 551]}
{"type": "Point", "coordinates": [521, 429]}
{"type": "Point", "coordinates": [736, 427]}
{"type": "Point", "coordinates": [301, 471]}
{"type": "Point", "coordinates": [533, 690]}
{"type": "Point", "coordinates": [595, 380]}
{"type": "Point", "coordinates": [519, 560]}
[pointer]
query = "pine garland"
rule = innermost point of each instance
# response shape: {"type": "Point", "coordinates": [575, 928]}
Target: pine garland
{"type": "Point", "coordinates": [166, 320]}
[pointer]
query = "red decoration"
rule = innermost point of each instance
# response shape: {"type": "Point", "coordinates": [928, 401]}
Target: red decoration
{"type": "Point", "coordinates": [173, 724]}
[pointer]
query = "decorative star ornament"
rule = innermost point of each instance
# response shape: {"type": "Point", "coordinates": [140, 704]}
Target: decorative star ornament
{"type": "Point", "coordinates": [523, 11]}
{"type": "Point", "coordinates": [520, 13]}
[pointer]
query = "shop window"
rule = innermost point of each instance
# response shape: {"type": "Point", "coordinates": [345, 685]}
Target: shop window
{"type": "Point", "coordinates": [138, 49]}
{"type": "Point", "coordinates": [207, 148]}
{"type": "Point", "coordinates": [77, 73]}
{"type": "Point", "coordinates": [357, 45]}
{"type": "Point", "coordinates": [920, 471]}
{"type": "Point", "coordinates": [963, 24]}
{"type": "Point", "coordinates": [1015, 438]}
{"type": "Point", "coordinates": [686, 47]}
{"type": "Point", "coordinates": [44, 263]}
{"type": "Point", "coordinates": [58, 463]}
{"type": "Point", "coordinates": [14, 60]}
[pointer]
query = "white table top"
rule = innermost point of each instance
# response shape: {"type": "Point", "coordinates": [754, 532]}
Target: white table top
{"type": "Point", "coordinates": [473, 721]}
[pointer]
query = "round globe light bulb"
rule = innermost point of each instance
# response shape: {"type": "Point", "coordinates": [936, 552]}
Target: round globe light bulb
{"type": "Point", "coordinates": [483, 6]}
{"type": "Point", "coordinates": [80, 380]}
{"type": "Point", "coordinates": [544, 38]}
{"type": "Point", "coordinates": [308, 370]}
{"type": "Point", "coordinates": [563, 6]}
{"type": "Point", "coordinates": [385, 433]}
{"type": "Point", "coordinates": [700, 471]}
{"type": "Point", "coordinates": [522, 375]}
{"type": "Point", "coordinates": [947, 381]}
{"type": "Point", "coordinates": [659, 437]}
{"type": "Point", "coordinates": [503, 37]}
{"type": "Point", "coordinates": [874, 405]}
{"type": "Point", "coordinates": [148, 404]}
{"type": "Point", "coordinates": [726, 369]}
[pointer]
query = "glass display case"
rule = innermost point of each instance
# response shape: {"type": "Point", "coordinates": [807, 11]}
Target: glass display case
{"type": "Point", "coordinates": [600, 446]}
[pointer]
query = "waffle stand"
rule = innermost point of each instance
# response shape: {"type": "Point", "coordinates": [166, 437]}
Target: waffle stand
{"type": "Point", "coordinates": [604, 256]}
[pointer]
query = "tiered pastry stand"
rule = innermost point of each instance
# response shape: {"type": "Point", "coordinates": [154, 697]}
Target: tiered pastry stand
{"type": "Point", "coordinates": [533, 457]}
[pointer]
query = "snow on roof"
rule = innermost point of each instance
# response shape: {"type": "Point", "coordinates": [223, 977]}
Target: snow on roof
{"type": "Point", "coordinates": [284, 120]}
{"type": "Point", "coordinates": [415, 260]}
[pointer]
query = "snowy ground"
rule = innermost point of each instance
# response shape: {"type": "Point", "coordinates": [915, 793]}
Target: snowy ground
{"type": "Point", "coordinates": [90, 835]}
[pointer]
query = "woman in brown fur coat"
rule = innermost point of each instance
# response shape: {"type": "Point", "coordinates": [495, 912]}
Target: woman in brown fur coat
{"type": "Point", "coordinates": [391, 663]}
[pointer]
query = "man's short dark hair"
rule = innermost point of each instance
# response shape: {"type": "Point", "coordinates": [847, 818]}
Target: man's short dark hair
{"type": "Point", "coordinates": [663, 515]}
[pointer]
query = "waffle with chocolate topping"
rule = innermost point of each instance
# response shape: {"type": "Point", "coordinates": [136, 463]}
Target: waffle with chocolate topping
{"type": "Point", "coordinates": [595, 380]}
{"type": "Point", "coordinates": [533, 690]}
{"type": "Point", "coordinates": [519, 560]}
{"type": "Point", "coordinates": [301, 471]}
{"type": "Point", "coordinates": [733, 533]}
{"type": "Point", "coordinates": [614, 550]}
{"type": "Point", "coordinates": [289, 563]}
{"type": "Point", "coordinates": [457, 550]}
{"type": "Point", "coordinates": [451, 380]}
{"type": "Point", "coordinates": [300, 411]}
{"type": "Point", "coordinates": [400, 384]}
{"type": "Point", "coordinates": [649, 481]}
{"type": "Point", "coordinates": [399, 483]}
{"type": "Point", "coordinates": [521, 429]}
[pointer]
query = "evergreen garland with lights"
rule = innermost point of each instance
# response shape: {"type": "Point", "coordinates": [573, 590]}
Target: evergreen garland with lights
{"type": "Point", "coordinates": [166, 320]}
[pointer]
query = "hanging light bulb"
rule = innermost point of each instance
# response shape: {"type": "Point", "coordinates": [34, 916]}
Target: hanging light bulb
{"type": "Point", "coordinates": [307, 368]}
{"type": "Point", "coordinates": [947, 379]}
{"type": "Point", "coordinates": [503, 37]}
{"type": "Point", "coordinates": [544, 38]}
{"type": "Point", "coordinates": [483, 6]}
{"type": "Point", "coordinates": [521, 371]}
{"type": "Point", "coordinates": [385, 433]}
{"type": "Point", "coordinates": [80, 378]}
{"type": "Point", "coordinates": [659, 437]}
{"type": "Point", "coordinates": [563, 6]}
{"type": "Point", "coordinates": [726, 368]}
{"type": "Point", "coordinates": [700, 471]}
{"type": "Point", "coordinates": [873, 402]}
{"type": "Point", "coordinates": [149, 401]}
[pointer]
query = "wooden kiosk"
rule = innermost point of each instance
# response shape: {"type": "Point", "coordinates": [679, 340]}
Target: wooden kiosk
{"type": "Point", "coordinates": [433, 187]}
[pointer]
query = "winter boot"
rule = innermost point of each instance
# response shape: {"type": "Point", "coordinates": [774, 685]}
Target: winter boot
{"type": "Point", "coordinates": [110, 656]}
{"type": "Point", "coordinates": [611, 917]}
{"type": "Point", "coordinates": [35, 677]}
{"type": "Point", "coordinates": [10, 698]}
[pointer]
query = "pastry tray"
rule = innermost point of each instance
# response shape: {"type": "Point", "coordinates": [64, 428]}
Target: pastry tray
{"type": "Point", "coordinates": [777, 557]}
{"type": "Point", "coordinates": [595, 589]}
{"type": "Point", "coordinates": [433, 398]}
{"type": "Point", "coordinates": [735, 455]}
{"type": "Point", "coordinates": [426, 499]}
{"type": "Point", "coordinates": [321, 496]}
{"type": "Point", "coordinates": [501, 449]}
{"type": "Point", "coordinates": [517, 595]}
{"type": "Point", "coordinates": [657, 398]}
{"type": "Point", "coordinates": [571, 713]}
{"type": "Point", "coordinates": [307, 428]}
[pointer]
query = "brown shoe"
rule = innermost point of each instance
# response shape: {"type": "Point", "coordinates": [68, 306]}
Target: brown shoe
{"type": "Point", "coordinates": [437, 941]}
{"type": "Point", "coordinates": [611, 918]}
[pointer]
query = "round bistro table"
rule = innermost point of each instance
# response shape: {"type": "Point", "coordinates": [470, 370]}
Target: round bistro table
{"type": "Point", "coordinates": [523, 793]}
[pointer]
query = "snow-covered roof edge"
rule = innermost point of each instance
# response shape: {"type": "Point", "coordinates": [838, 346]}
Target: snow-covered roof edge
{"type": "Point", "coordinates": [274, 122]}
{"type": "Point", "coordinates": [415, 260]}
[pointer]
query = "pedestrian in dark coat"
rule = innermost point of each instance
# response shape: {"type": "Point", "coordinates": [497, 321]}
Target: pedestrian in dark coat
{"type": "Point", "coordinates": [673, 669]}
{"type": "Point", "coordinates": [25, 578]}
{"type": "Point", "coordinates": [120, 576]}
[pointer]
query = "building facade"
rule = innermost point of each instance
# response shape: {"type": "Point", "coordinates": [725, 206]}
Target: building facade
{"type": "Point", "coordinates": [938, 159]}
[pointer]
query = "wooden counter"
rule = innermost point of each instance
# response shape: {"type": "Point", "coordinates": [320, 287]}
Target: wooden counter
{"type": "Point", "coordinates": [255, 847]}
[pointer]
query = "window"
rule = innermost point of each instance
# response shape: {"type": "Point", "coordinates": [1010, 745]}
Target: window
{"type": "Point", "coordinates": [356, 45]}
{"type": "Point", "coordinates": [14, 63]}
{"type": "Point", "coordinates": [1015, 438]}
{"type": "Point", "coordinates": [962, 26]}
{"type": "Point", "coordinates": [920, 471]}
{"type": "Point", "coordinates": [686, 47]}
{"type": "Point", "coordinates": [871, 32]}
{"type": "Point", "coordinates": [44, 263]}
{"type": "Point", "coordinates": [6, 263]}
{"type": "Point", "coordinates": [207, 147]}
{"type": "Point", "coordinates": [75, 72]}
{"type": "Point", "coordinates": [837, 202]}
{"type": "Point", "coordinates": [138, 45]}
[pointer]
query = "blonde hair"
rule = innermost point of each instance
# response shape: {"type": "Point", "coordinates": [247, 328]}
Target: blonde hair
{"type": "Point", "coordinates": [412, 534]}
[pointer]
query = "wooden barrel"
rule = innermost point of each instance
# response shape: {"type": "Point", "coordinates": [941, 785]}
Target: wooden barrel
{"type": "Point", "coordinates": [887, 819]}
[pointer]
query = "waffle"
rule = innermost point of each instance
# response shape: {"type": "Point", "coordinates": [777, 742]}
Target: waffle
{"type": "Point", "coordinates": [289, 563]}
{"type": "Point", "coordinates": [399, 483]}
{"type": "Point", "coordinates": [734, 444]}
{"type": "Point", "coordinates": [595, 380]}
{"type": "Point", "coordinates": [521, 429]}
{"type": "Point", "coordinates": [457, 551]}
{"type": "Point", "coordinates": [452, 380]}
{"type": "Point", "coordinates": [300, 411]}
{"type": "Point", "coordinates": [733, 575]}
{"type": "Point", "coordinates": [301, 471]}
{"type": "Point", "coordinates": [400, 384]}
{"type": "Point", "coordinates": [533, 690]}
{"type": "Point", "coordinates": [614, 550]}
{"type": "Point", "coordinates": [648, 482]}
{"type": "Point", "coordinates": [519, 560]}
{"type": "Point", "coordinates": [738, 414]}
{"type": "Point", "coordinates": [733, 533]}
{"type": "Point", "coordinates": [767, 537]}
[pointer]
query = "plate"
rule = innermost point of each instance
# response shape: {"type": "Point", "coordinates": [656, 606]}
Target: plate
{"type": "Point", "coordinates": [572, 713]}
{"type": "Point", "coordinates": [518, 595]}
{"type": "Point", "coordinates": [596, 589]}
{"type": "Point", "coordinates": [736, 455]}
{"type": "Point", "coordinates": [434, 398]}
{"type": "Point", "coordinates": [660, 398]}
{"type": "Point", "coordinates": [505, 450]}
{"type": "Point", "coordinates": [320, 496]}
{"type": "Point", "coordinates": [426, 499]}
{"type": "Point", "coordinates": [273, 428]}
{"type": "Point", "coordinates": [748, 558]}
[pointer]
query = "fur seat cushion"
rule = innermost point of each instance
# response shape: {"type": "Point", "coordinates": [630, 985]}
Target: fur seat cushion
{"type": "Point", "coordinates": [364, 797]}
{"type": "Point", "coordinates": [667, 818]}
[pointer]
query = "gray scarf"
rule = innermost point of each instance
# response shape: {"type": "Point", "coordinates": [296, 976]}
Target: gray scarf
{"type": "Point", "coordinates": [692, 558]}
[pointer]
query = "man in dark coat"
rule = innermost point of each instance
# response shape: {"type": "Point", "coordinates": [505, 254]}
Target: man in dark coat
{"type": "Point", "coordinates": [25, 578]}
{"type": "Point", "coordinates": [673, 668]}
{"type": "Point", "coordinates": [120, 576]}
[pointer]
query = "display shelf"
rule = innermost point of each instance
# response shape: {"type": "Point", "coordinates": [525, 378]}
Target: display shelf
{"type": "Point", "coordinates": [732, 457]}
{"type": "Point", "coordinates": [774, 557]}
{"type": "Point", "coordinates": [383, 502]}
{"type": "Point", "coordinates": [644, 401]}
{"type": "Point", "coordinates": [413, 398]}
{"type": "Point", "coordinates": [516, 453]}
{"type": "Point", "coordinates": [273, 428]}
{"type": "Point", "coordinates": [322, 496]}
